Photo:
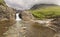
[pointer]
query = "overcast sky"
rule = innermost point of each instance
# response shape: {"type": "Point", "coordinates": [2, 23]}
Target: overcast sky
{"type": "Point", "coordinates": [27, 4]}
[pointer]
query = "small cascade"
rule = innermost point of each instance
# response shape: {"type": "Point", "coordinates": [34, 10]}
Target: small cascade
{"type": "Point", "coordinates": [17, 17]}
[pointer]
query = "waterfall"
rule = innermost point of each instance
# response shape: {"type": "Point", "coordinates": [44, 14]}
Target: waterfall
{"type": "Point", "coordinates": [17, 17]}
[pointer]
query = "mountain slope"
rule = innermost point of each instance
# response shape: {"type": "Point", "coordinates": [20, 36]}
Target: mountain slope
{"type": "Point", "coordinates": [47, 12]}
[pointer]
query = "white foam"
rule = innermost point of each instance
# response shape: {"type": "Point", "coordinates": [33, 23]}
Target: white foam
{"type": "Point", "coordinates": [17, 17]}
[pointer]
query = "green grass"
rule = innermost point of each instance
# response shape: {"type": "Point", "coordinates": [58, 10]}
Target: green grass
{"type": "Point", "coordinates": [46, 12]}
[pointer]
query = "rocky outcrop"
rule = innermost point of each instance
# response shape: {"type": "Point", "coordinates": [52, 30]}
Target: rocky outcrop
{"type": "Point", "coordinates": [7, 18]}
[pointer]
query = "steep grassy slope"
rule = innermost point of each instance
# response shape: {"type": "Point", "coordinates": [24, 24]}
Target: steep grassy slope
{"type": "Point", "coordinates": [47, 12]}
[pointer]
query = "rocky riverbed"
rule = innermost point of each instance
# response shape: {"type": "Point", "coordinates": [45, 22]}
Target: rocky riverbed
{"type": "Point", "coordinates": [23, 29]}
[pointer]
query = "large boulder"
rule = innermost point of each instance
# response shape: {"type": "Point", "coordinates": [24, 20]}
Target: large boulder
{"type": "Point", "coordinates": [26, 15]}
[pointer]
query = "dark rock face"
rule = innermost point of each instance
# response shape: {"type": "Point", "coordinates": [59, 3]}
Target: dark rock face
{"type": "Point", "coordinates": [20, 16]}
{"type": "Point", "coordinates": [7, 18]}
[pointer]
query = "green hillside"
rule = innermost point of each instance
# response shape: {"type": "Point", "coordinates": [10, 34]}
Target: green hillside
{"type": "Point", "coordinates": [47, 12]}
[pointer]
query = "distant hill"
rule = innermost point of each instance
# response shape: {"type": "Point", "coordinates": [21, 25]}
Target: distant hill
{"type": "Point", "coordinates": [42, 5]}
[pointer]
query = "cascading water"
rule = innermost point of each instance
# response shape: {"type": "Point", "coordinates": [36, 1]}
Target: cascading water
{"type": "Point", "coordinates": [17, 17]}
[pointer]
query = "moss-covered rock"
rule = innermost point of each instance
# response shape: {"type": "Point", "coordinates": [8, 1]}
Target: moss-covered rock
{"type": "Point", "coordinates": [47, 12]}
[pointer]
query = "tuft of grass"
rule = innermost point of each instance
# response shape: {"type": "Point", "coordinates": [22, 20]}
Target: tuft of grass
{"type": "Point", "coordinates": [47, 12]}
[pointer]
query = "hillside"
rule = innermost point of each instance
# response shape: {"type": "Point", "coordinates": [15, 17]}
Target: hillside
{"type": "Point", "coordinates": [47, 12]}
